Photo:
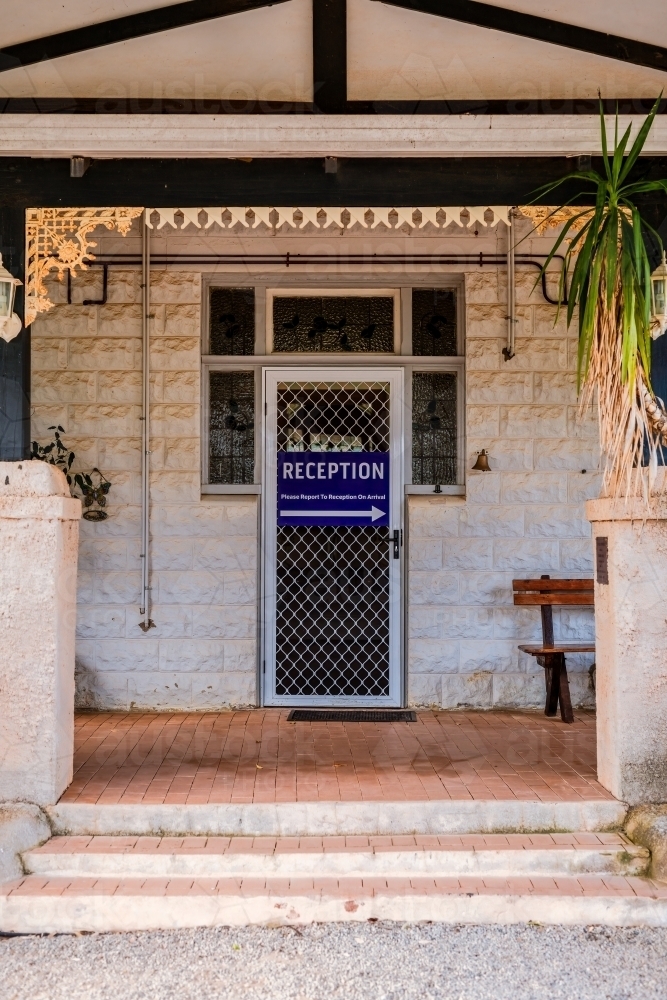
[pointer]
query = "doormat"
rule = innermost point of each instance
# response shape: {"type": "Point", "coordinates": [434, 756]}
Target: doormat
{"type": "Point", "coordinates": [350, 715]}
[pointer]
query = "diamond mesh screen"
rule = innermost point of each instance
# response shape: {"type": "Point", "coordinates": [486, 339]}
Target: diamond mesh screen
{"type": "Point", "coordinates": [332, 584]}
{"type": "Point", "coordinates": [333, 416]}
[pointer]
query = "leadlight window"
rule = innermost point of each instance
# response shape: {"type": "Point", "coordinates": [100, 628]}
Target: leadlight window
{"type": "Point", "coordinates": [434, 322]}
{"type": "Point", "coordinates": [434, 437]}
{"type": "Point", "coordinates": [357, 324]}
{"type": "Point", "coordinates": [231, 446]}
{"type": "Point", "coordinates": [232, 323]}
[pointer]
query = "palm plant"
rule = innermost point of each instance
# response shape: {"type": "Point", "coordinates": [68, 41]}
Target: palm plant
{"type": "Point", "coordinates": [610, 285]}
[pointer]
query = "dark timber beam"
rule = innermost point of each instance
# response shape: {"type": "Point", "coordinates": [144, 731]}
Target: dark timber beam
{"type": "Point", "coordinates": [121, 29]}
{"type": "Point", "coordinates": [541, 29]}
{"type": "Point", "coordinates": [14, 356]}
{"type": "Point", "coordinates": [330, 55]}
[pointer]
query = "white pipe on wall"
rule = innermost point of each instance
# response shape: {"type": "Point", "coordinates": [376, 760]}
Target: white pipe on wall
{"type": "Point", "coordinates": [145, 418]}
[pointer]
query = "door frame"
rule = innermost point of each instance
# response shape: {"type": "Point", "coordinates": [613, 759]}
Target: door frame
{"type": "Point", "coordinates": [271, 376]}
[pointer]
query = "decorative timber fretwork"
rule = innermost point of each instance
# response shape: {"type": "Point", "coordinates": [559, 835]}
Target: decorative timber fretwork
{"type": "Point", "coordinates": [546, 217]}
{"type": "Point", "coordinates": [58, 239]}
{"type": "Point", "coordinates": [321, 218]}
{"type": "Point", "coordinates": [121, 29]}
{"type": "Point", "coordinates": [542, 29]}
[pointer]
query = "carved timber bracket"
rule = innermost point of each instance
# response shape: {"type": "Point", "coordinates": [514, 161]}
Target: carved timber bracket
{"type": "Point", "coordinates": [546, 217]}
{"type": "Point", "coordinates": [58, 239]}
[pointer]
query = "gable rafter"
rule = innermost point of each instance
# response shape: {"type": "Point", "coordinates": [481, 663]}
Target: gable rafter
{"type": "Point", "coordinates": [122, 29]}
{"type": "Point", "coordinates": [541, 29]}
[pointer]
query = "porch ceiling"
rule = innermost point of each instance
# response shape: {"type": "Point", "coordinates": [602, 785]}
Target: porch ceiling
{"type": "Point", "coordinates": [301, 136]}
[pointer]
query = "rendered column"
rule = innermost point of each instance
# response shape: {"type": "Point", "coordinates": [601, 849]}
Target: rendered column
{"type": "Point", "coordinates": [39, 534]}
{"type": "Point", "coordinates": [631, 647]}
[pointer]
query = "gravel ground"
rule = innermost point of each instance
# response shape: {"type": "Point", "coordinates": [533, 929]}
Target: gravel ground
{"type": "Point", "coordinates": [380, 961]}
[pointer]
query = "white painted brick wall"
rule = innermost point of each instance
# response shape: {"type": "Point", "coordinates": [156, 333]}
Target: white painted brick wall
{"type": "Point", "coordinates": [87, 377]}
{"type": "Point", "coordinates": [524, 518]}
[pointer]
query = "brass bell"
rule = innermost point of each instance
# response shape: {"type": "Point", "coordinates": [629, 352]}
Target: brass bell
{"type": "Point", "coordinates": [482, 463]}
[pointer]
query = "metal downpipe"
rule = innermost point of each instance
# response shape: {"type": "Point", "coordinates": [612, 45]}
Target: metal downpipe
{"type": "Point", "coordinates": [508, 350]}
{"type": "Point", "coordinates": [145, 418]}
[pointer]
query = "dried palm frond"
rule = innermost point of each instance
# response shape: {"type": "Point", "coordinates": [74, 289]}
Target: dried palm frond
{"type": "Point", "coordinates": [611, 288]}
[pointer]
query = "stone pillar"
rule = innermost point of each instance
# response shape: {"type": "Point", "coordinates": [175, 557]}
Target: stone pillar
{"type": "Point", "coordinates": [631, 646]}
{"type": "Point", "coordinates": [39, 533]}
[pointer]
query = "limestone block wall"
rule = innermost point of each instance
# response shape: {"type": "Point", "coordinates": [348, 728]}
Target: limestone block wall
{"type": "Point", "coordinates": [524, 518]}
{"type": "Point", "coordinates": [87, 377]}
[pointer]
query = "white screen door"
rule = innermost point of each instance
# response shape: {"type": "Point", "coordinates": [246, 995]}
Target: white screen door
{"type": "Point", "coordinates": [332, 536]}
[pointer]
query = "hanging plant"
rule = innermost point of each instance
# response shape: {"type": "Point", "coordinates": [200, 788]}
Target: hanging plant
{"type": "Point", "coordinates": [610, 285]}
{"type": "Point", "coordinates": [93, 492]}
{"type": "Point", "coordinates": [56, 453]}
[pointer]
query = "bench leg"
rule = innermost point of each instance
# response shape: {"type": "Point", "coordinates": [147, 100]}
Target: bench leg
{"type": "Point", "coordinates": [566, 713]}
{"type": "Point", "coordinates": [552, 673]}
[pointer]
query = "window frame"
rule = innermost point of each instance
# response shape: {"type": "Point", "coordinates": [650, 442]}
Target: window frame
{"type": "Point", "coordinates": [401, 357]}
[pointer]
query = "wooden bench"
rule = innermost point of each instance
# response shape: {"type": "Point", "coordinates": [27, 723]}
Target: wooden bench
{"type": "Point", "coordinates": [546, 593]}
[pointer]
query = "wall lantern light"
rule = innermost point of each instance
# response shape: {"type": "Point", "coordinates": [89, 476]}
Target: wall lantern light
{"type": "Point", "coordinates": [10, 324]}
{"type": "Point", "coordinates": [659, 299]}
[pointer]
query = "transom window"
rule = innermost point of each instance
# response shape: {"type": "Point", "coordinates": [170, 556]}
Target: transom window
{"type": "Point", "coordinates": [434, 326]}
{"type": "Point", "coordinates": [232, 321]}
{"type": "Point", "coordinates": [333, 323]}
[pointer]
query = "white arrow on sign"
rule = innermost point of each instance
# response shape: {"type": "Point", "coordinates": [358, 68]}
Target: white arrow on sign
{"type": "Point", "coordinates": [373, 513]}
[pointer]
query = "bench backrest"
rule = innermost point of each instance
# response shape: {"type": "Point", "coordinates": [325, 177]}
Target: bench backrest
{"type": "Point", "coordinates": [545, 593]}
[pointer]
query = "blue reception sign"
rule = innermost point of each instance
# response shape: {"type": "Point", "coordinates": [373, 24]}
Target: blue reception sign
{"type": "Point", "coordinates": [316, 488]}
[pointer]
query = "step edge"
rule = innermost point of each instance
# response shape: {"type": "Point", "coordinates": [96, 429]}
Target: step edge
{"type": "Point", "coordinates": [634, 850]}
{"type": "Point", "coordinates": [337, 864]}
{"type": "Point", "coordinates": [334, 818]}
{"type": "Point", "coordinates": [132, 912]}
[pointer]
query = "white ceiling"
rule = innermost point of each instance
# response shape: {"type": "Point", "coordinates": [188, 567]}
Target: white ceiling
{"type": "Point", "coordinates": [38, 18]}
{"type": "Point", "coordinates": [392, 54]}
{"type": "Point", "coordinates": [396, 54]}
{"type": "Point", "coordinates": [264, 54]}
{"type": "Point", "coordinates": [641, 19]}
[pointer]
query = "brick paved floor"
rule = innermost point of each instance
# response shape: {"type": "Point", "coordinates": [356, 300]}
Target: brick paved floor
{"type": "Point", "coordinates": [258, 756]}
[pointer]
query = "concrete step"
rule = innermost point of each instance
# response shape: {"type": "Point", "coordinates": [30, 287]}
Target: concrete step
{"type": "Point", "coordinates": [497, 855]}
{"type": "Point", "coordinates": [61, 904]}
{"type": "Point", "coordinates": [337, 818]}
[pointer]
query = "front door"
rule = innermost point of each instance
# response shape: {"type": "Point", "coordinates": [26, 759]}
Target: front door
{"type": "Point", "coordinates": [332, 536]}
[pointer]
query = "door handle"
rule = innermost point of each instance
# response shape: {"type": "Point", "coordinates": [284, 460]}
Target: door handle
{"type": "Point", "coordinates": [395, 540]}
